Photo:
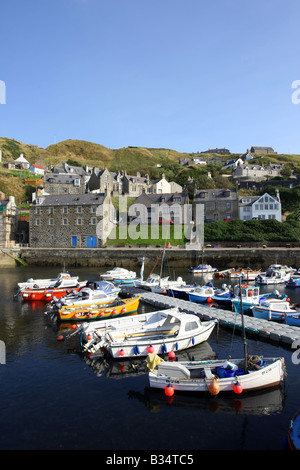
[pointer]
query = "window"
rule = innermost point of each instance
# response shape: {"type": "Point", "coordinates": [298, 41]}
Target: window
{"type": "Point", "coordinates": [93, 221]}
{"type": "Point", "coordinates": [51, 221]}
{"type": "Point", "coordinates": [38, 222]}
{"type": "Point", "coordinates": [65, 221]}
{"type": "Point", "coordinates": [64, 210]}
{"type": "Point", "coordinates": [79, 221]}
{"type": "Point", "coordinates": [228, 205]}
{"type": "Point", "coordinates": [79, 210]}
{"type": "Point", "coordinates": [93, 209]}
{"type": "Point", "coordinates": [50, 210]}
{"type": "Point", "coordinates": [38, 210]}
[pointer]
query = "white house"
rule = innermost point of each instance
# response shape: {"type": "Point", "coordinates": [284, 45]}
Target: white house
{"type": "Point", "coordinates": [21, 163]}
{"type": "Point", "coordinates": [161, 186]}
{"type": "Point", "coordinates": [37, 169]}
{"type": "Point", "coordinates": [260, 207]}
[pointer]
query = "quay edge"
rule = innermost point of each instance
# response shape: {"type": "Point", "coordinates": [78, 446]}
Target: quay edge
{"type": "Point", "coordinates": [221, 258]}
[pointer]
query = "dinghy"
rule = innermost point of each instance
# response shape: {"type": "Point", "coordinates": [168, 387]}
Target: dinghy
{"type": "Point", "coordinates": [277, 310]}
{"type": "Point", "coordinates": [118, 273]}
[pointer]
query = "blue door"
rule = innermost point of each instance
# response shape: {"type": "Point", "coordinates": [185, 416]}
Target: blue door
{"type": "Point", "coordinates": [91, 242]}
{"type": "Point", "coordinates": [74, 240]}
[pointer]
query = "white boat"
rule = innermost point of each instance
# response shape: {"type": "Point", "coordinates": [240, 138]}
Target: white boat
{"type": "Point", "coordinates": [95, 293]}
{"type": "Point", "coordinates": [214, 377]}
{"type": "Point", "coordinates": [202, 269]}
{"type": "Point", "coordinates": [118, 273]}
{"type": "Point", "coordinates": [272, 277]}
{"type": "Point", "coordinates": [63, 278]}
{"type": "Point", "coordinates": [160, 332]}
{"type": "Point", "coordinates": [166, 283]}
{"type": "Point", "coordinates": [277, 310]}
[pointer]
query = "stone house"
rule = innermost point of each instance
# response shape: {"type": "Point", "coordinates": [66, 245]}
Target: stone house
{"type": "Point", "coordinates": [21, 163]}
{"type": "Point", "coordinates": [105, 181]}
{"type": "Point", "coordinates": [256, 172]}
{"type": "Point", "coordinates": [260, 207]}
{"type": "Point", "coordinates": [218, 204]}
{"type": "Point", "coordinates": [64, 183]}
{"type": "Point", "coordinates": [65, 221]}
{"type": "Point", "coordinates": [149, 208]}
{"type": "Point", "coordinates": [8, 222]}
{"type": "Point", "coordinates": [262, 150]}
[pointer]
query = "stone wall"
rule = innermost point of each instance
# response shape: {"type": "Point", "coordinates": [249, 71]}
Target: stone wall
{"type": "Point", "coordinates": [127, 257]}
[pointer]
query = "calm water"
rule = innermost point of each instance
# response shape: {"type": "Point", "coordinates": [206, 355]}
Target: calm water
{"type": "Point", "coordinates": [53, 399]}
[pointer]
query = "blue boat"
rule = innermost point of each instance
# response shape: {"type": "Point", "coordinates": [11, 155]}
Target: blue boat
{"type": "Point", "coordinates": [294, 281]}
{"type": "Point", "coordinates": [294, 432]}
{"type": "Point", "coordinates": [251, 297]}
{"type": "Point", "coordinates": [277, 310]}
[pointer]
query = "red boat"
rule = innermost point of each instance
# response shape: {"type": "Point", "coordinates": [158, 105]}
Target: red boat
{"type": "Point", "coordinates": [47, 294]}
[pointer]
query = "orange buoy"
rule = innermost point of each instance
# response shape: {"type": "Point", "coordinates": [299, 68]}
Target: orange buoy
{"type": "Point", "coordinates": [150, 349]}
{"type": "Point", "coordinates": [214, 388]}
{"type": "Point", "coordinates": [237, 388]}
{"type": "Point", "coordinates": [124, 310]}
{"type": "Point", "coordinates": [114, 311]}
{"type": "Point", "coordinates": [209, 299]}
{"type": "Point", "coordinates": [101, 314]}
{"type": "Point", "coordinates": [74, 327]}
{"type": "Point", "coordinates": [60, 338]}
{"type": "Point", "coordinates": [89, 337]}
{"type": "Point", "coordinates": [171, 354]}
{"type": "Point", "coordinates": [121, 352]}
{"type": "Point", "coordinates": [169, 391]}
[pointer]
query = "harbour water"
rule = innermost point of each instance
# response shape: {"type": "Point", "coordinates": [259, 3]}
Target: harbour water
{"type": "Point", "coordinates": [51, 398]}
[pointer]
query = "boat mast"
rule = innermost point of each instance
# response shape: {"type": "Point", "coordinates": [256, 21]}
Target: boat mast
{"type": "Point", "coordinates": [243, 326]}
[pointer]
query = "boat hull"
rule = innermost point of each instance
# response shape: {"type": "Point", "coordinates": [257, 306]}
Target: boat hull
{"type": "Point", "coordinates": [267, 377]}
{"type": "Point", "coordinates": [294, 432]}
{"type": "Point", "coordinates": [137, 347]}
{"type": "Point", "coordinates": [46, 295]}
{"type": "Point", "coordinates": [104, 312]}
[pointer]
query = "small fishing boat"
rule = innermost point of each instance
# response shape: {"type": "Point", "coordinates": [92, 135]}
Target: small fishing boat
{"type": "Point", "coordinates": [160, 332]}
{"type": "Point", "coordinates": [202, 269]}
{"type": "Point", "coordinates": [166, 283]}
{"type": "Point", "coordinates": [182, 292]}
{"type": "Point", "coordinates": [119, 308]}
{"type": "Point", "coordinates": [276, 310]}
{"type": "Point", "coordinates": [49, 283]}
{"type": "Point", "coordinates": [202, 293]}
{"type": "Point", "coordinates": [94, 293]}
{"type": "Point", "coordinates": [223, 296]}
{"type": "Point", "coordinates": [294, 432]}
{"type": "Point", "coordinates": [216, 376]}
{"type": "Point", "coordinates": [251, 297]}
{"type": "Point", "coordinates": [118, 273]}
{"type": "Point", "coordinates": [294, 281]}
{"type": "Point", "coordinates": [62, 288]}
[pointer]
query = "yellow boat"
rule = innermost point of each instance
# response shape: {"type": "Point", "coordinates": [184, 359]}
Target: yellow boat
{"type": "Point", "coordinates": [126, 307]}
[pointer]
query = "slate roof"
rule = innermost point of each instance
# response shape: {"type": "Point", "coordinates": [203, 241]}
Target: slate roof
{"type": "Point", "coordinates": [71, 199]}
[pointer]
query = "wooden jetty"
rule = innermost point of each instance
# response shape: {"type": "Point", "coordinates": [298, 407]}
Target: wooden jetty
{"type": "Point", "coordinates": [266, 330]}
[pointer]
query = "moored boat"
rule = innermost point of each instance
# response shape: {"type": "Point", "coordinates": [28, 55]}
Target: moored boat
{"type": "Point", "coordinates": [202, 269]}
{"type": "Point", "coordinates": [251, 297]}
{"type": "Point", "coordinates": [277, 310]}
{"type": "Point", "coordinates": [118, 273]}
{"type": "Point", "coordinates": [294, 281]}
{"type": "Point", "coordinates": [202, 294]}
{"type": "Point", "coordinates": [214, 377]}
{"type": "Point", "coordinates": [49, 294]}
{"type": "Point", "coordinates": [67, 279]}
{"type": "Point", "coordinates": [161, 332]}
{"type": "Point", "coordinates": [121, 307]}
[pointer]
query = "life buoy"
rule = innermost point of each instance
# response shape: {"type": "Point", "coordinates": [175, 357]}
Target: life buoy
{"type": "Point", "coordinates": [250, 293]}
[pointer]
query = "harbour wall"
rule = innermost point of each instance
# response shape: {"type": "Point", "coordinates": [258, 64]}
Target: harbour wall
{"type": "Point", "coordinates": [221, 258]}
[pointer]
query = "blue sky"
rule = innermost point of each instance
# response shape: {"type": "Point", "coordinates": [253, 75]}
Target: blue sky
{"type": "Point", "coordinates": [186, 75]}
